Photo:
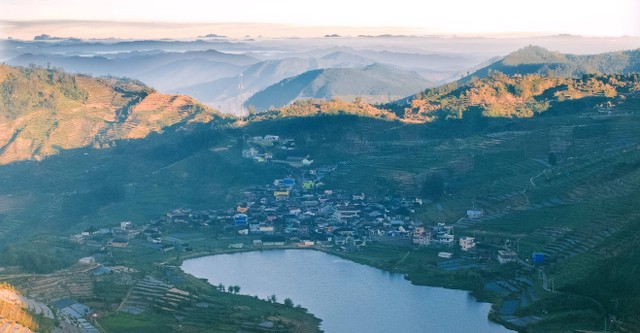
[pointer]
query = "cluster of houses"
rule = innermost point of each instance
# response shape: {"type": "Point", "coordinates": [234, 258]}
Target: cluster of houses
{"type": "Point", "coordinates": [293, 210]}
{"type": "Point", "coordinates": [300, 210]}
{"type": "Point", "coordinates": [118, 237]}
{"type": "Point", "coordinates": [272, 148]}
{"type": "Point", "coordinates": [75, 313]}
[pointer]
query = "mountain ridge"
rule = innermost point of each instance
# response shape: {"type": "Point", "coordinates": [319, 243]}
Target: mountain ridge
{"type": "Point", "coordinates": [373, 83]}
{"type": "Point", "coordinates": [46, 110]}
{"type": "Point", "coordinates": [538, 60]}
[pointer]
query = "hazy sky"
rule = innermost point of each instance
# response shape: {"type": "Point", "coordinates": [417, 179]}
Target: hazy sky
{"type": "Point", "coordinates": [580, 17]}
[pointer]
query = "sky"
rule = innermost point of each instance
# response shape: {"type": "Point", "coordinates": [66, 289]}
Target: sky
{"type": "Point", "coordinates": [470, 17]}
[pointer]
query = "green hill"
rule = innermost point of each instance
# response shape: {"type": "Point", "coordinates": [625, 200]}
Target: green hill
{"type": "Point", "coordinates": [43, 111]}
{"type": "Point", "coordinates": [516, 95]}
{"type": "Point", "coordinates": [537, 60]}
{"type": "Point", "coordinates": [373, 83]}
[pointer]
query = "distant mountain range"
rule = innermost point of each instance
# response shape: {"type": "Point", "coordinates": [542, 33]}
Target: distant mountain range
{"type": "Point", "coordinates": [163, 70]}
{"type": "Point", "coordinates": [213, 77]}
{"type": "Point", "coordinates": [373, 84]}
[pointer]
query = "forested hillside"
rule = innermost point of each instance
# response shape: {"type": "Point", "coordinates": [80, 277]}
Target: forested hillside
{"type": "Point", "coordinates": [521, 96]}
{"type": "Point", "coordinates": [43, 111]}
{"type": "Point", "coordinates": [538, 60]}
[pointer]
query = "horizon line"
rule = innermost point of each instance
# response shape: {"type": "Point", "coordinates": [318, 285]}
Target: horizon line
{"type": "Point", "coordinates": [239, 30]}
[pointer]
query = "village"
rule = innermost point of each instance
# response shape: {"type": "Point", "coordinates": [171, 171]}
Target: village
{"type": "Point", "coordinates": [297, 210]}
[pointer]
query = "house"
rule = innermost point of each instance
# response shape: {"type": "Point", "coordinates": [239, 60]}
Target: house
{"type": "Point", "coordinates": [70, 308]}
{"type": "Point", "coordinates": [272, 240]}
{"type": "Point", "coordinates": [285, 182]}
{"type": "Point", "coordinates": [474, 213]}
{"type": "Point", "coordinates": [306, 161]}
{"type": "Point", "coordinates": [467, 243]}
{"type": "Point", "coordinates": [443, 234]}
{"type": "Point", "coordinates": [281, 194]}
{"type": "Point", "coordinates": [446, 255]}
{"type": "Point", "coordinates": [266, 229]}
{"type": "Point", "coordinates": [166, 248]}
{"type": "Point", "coordinates": [240, 219]}
{"type": "Point", "coordinates": [250, 153]}
{"type": "Point", "coordinates": [102, 270]}
{"type": "Point", "coordinates": [358, 196]}
{"type": "Point", "coordinates": [267, 140]}
{"type": "Point", "coordinates": [126, 225]}
{"type": "Point", "coordinates": [297, 161]}
{"type": "Point", "coordinates": [87, 261]}
{"type": "Point", "coordinates": [77, 239]}
{"type": "Point", "coordinates": [345, 213]}
{"type": "Point", "coordinates": [537, 258]}
{"type": "Point", "coordinates": [254, 227]}
{"type": "Point", "coordinates": [422, 236]}
{"type": "Point", "coordinates": [120, 242]}
{"type": "Point", "coordinates": [506, 256]}
{"type": "Point", "coordinates": [340, 240]}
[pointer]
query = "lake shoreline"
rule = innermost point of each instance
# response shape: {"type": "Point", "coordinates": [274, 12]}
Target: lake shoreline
{"type": "Point", "coordinates": [479, 294]}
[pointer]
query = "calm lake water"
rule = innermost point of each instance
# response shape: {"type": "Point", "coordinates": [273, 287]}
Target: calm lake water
{"type": "Point", "coordinates": [347, 296]}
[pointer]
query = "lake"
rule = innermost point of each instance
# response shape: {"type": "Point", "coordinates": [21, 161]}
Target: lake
{"type": "Point", "coordinates": [347, 296]}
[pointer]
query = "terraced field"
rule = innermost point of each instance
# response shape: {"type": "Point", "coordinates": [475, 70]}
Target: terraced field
{"type": "Point", "coordinates": [76, 282]}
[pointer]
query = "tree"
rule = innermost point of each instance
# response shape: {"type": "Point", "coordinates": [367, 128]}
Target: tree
{"type": "Point", "coordinates": [272, 299]}
{"type": "Point", "coordinates": [221, 287]}
{"type": "Point", "coordinates": [288, 302]}
{"type": "Point", "coordinates": [236, 289]}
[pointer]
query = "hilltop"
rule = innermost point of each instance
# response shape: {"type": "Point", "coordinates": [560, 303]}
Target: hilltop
{"type": "Point", "coordinates": [526, 82]}
{"type": "Point", "coordinates": [538, 60]}
{"type": "Point", "coordinates": [373, 83]}
{"type": "Point", "coordinates": [44, 111]}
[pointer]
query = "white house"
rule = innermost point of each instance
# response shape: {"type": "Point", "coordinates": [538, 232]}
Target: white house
{"type": "Point", "coordinates": [446, 255]}
{"type": "Point", "coordinates": [271, 138]}
{"type": "Point", "coordinates": [87, 261]}
{"type": "Point", "coordinates": [249, 153]}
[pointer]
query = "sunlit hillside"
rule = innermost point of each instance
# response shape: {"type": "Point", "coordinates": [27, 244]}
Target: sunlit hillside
{"type": "Point", "coordinates": [43, 111]}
